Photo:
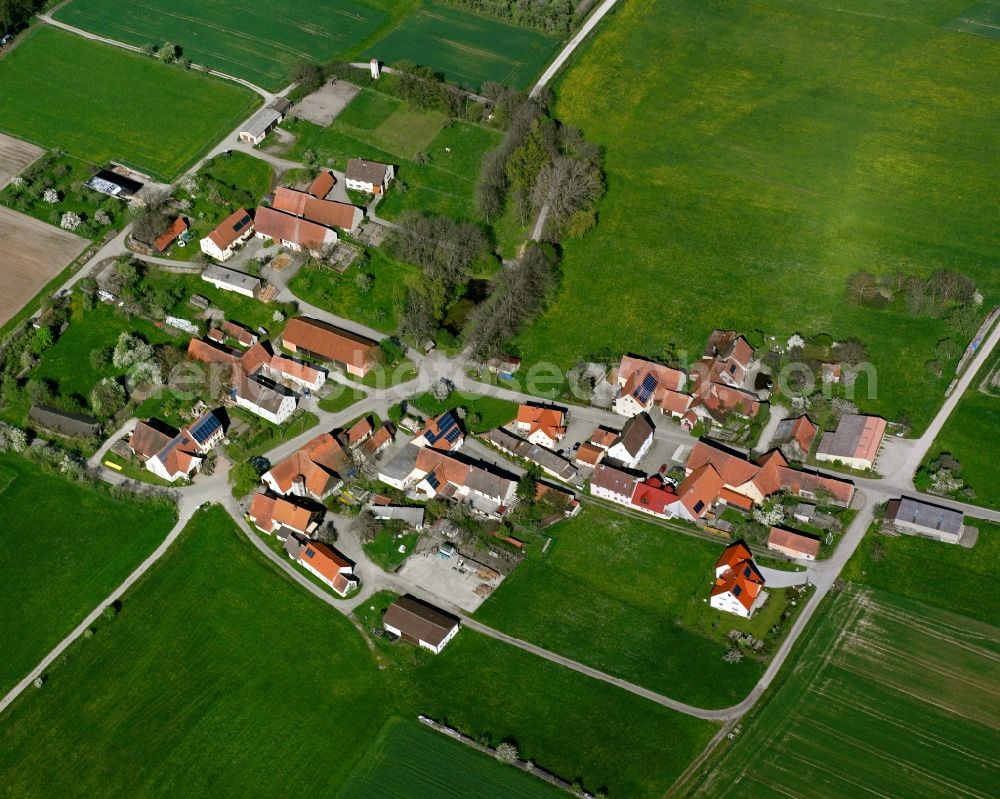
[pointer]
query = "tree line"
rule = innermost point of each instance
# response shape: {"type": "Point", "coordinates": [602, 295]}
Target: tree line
{"type": "Point", "coordinates": [15, 14]}
{"type": "Point", "coordinates": [550, 16]}
{"type": "Point", "coordinates": [539, 162]}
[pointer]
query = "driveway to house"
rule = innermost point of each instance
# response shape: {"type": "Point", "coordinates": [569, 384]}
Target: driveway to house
{"type": "Point", "coordinates": [571, 46]}
{"type": "Point", "coordinates": [780, 578]}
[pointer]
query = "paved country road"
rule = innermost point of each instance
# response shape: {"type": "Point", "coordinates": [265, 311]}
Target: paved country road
{"type": "Point", "coordinates": [571, 46]}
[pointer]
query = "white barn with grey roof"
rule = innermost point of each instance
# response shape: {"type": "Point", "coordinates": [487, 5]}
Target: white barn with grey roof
{"type": "Point", "coordinates": [913, 517]}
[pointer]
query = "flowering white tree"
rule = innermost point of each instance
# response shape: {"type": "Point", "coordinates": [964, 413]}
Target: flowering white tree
{"type": "Point", "coordinates": [108, 396]}
{"type": "Point", "coordinates": [102, 218]}
{"type": "Point", "coordinates": [51, 196]}
{"type": "Point", "coordinates": [769, 514]}
{"type": "Point", "coordinates": [441, 390]}
{"type": "Point", "coordinates": [70, 221]}
{"type": "Point", "coordinates": [17, 182]}
{"type": "Point", "coordinates": [190, 184]}
{"type": "Point", "coordinates": [130, 350]}
{"type": "Point", "coordinates": [12, 439]}
{"type": "Point", "coordinates": [147, 371]}
{"type": "Point", "coordinates": [506, 753]}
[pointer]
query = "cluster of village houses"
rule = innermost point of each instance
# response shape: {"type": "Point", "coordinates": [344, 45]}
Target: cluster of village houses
{"type": "Point", "coordinates": [301, 220]}
{"type": "Point", "coordinates": [270, 382]}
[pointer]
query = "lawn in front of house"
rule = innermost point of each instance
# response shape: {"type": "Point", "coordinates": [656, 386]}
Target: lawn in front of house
{"type": "Point", "coordinates": [630, 598]}
{"type": "Point", "coordinates": [101, 104]}
{"type": "Point", "coordinates": [376, 302]}
{"type": "Point", "coordinates": [65, 547]}
{"type": "Point", "coordinates": [773, 151]}
{"type": "Point", "coordinates": [223, 185]}
{"type": "Point", "coordinates": [483, 413]}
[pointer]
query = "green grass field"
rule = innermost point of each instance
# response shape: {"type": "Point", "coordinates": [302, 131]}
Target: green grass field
{"type": "Point", "coordinates": [408, 760]}
{"type": "Point", "coordinates": [910, 564]}
{"type": "Point", "coordinates": [975, 421]}
{"type": "Point", "coordinates": [260, 44]}
{"type": "Point", "coordinates": [466, 48]}
{"type": "Point", "coordinates": [628, 597]}
{"type": "Point", "coordinates": [759, 153]}
{"type": "Point", "coordinates": [64, 548]}
{"type": "Point", "coordinates": [101, 103]}
{"type": "Point", "coordinates": [488, 412]}
{"type": "Point", "coordinates": [982, 19]}
{"type": "Point", "coordinates": [340, 294]}
{"type": "Point", "coordinates": [218, 670]}
{"type": "Point", "coordinates": [380, 127]}
{"type": "Point", "coordinates": [889, 697]}
{"type": "Point", "coordinates": [571, 725]}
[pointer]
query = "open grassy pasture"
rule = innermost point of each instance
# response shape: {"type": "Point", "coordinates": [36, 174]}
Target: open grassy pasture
{"type": "Point", "coordinates": [759, 153]}
{"type": "Point", "coordinates": [101, 103]}
{"type": "Point", "coordinates": [383, 128]}
{"type": "Point", "coordinates": [573, 726]}
{"type": "Point", "coordinates": [466, 48]}
{"type": "Point", "coordinates": [974, 423]}
{"type": "Point", "coordinates": [63, 548]}
{"type": "Point", "coordinates": [217, 671]}
{"type": "Point", "coordinates": [888, 697]}
{"type": "Point", "coordinates": [220, 671]}
{"type": "Point", "coordinates": [484, 413]}
{"type": "Point", "coordinates": [34, 253]}
{"type": "Point", "coordinates": [910, 564]}
{"type": "Point", "coordinates": [408, 760]}
{"type": "Point", "coordinates": [629, 597]}
{"type": "Point", "coordinates": [260, 43]}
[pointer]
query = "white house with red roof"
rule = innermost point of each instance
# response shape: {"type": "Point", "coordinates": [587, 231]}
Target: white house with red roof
{"type": "Point", "coordinates": [541, 425]}
{"type": "Point", "coordinates": [739, 584]}
{"type": "Point", "coordinates": [324, 562]}
{"type": "Point", "coordinates": [641, 383]}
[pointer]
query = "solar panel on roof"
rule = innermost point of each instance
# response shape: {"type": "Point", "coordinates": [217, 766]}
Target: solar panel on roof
{"type": "Point", "coordinates": [241, 224]}
{"type": "Point", "coordinates": [453, 435]}
{"type": "Point", "coordinates": [205, 427]}
{"type": "Point", "coordinates": [310, 553]}
{"type": "Point", "coordinates": [645, 391]}
{"type": "Point", "coordinates": [433, 480]}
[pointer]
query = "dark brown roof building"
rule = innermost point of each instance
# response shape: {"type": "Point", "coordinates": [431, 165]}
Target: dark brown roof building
{"type": "Point", "coordinates": [419, 623]}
